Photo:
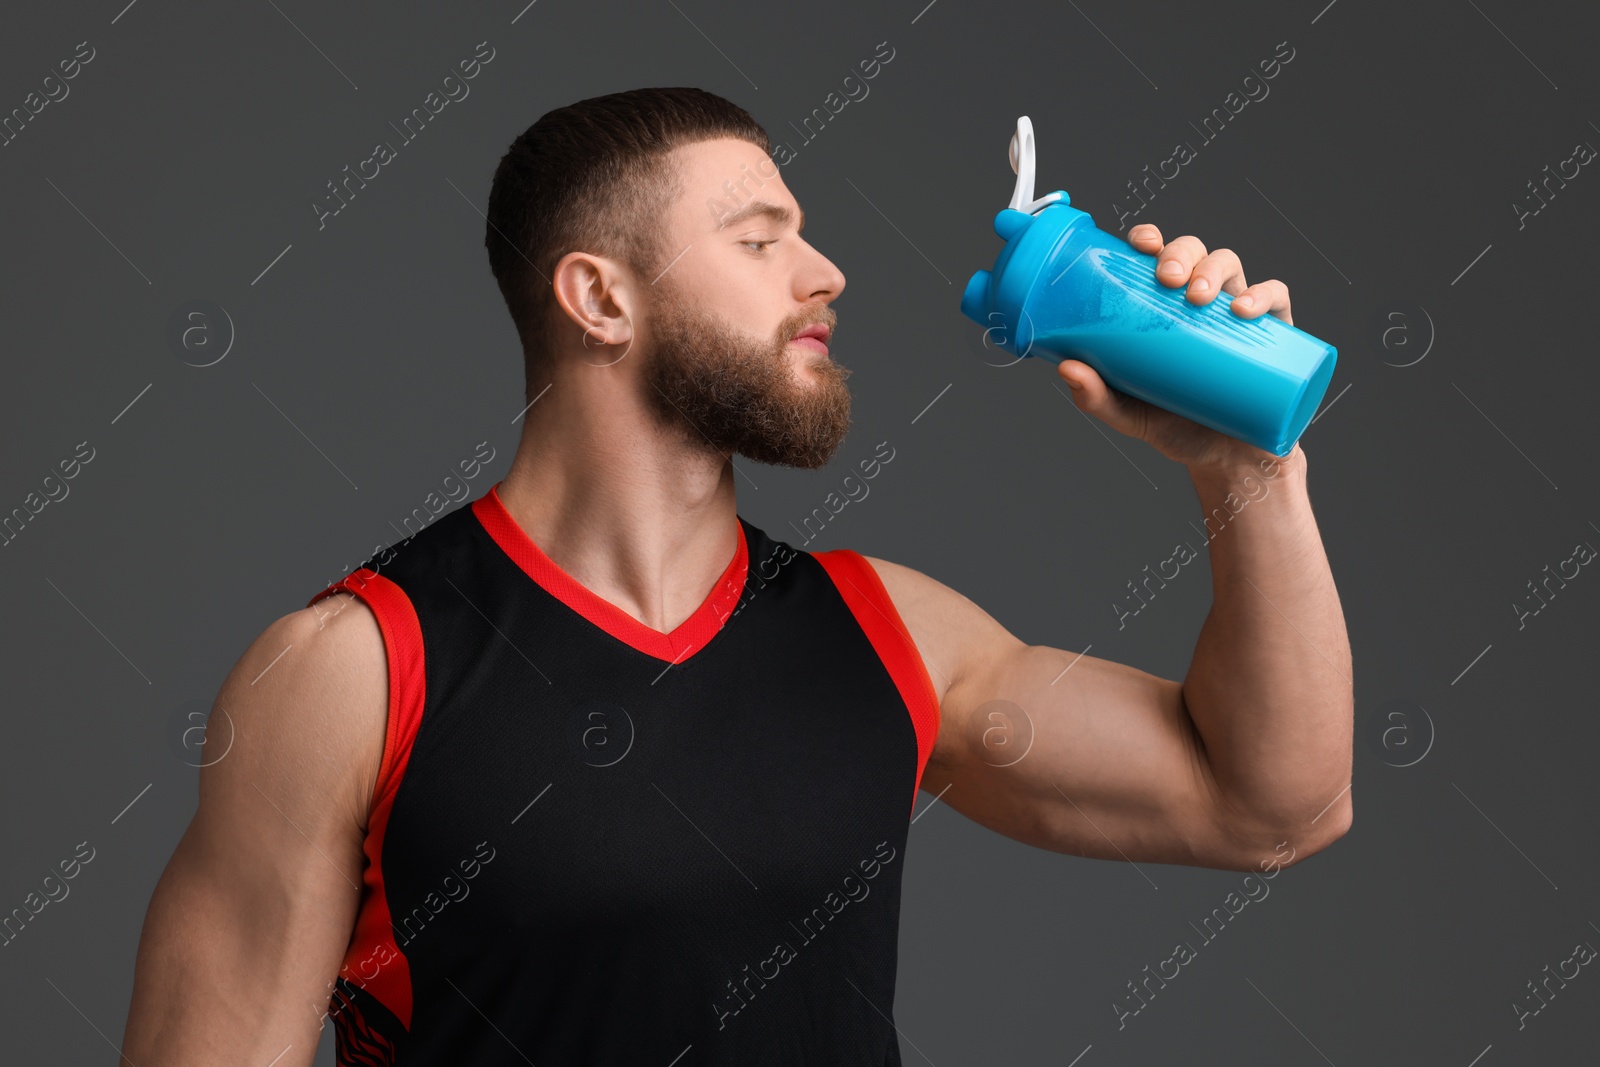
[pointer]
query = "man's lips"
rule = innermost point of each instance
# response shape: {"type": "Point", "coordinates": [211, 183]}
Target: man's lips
{"type": "Point", "coordinates": [814, 337]}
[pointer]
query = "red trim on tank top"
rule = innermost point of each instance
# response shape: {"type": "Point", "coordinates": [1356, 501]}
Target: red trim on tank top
{"type": "Point", "coordinates": [684, 641]}
{"type": "Point", "coordinates": [373, 961]}
{"type": "Point", "coordinates": [869, 602]}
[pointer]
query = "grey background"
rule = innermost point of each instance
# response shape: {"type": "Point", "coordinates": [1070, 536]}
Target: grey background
{"type": "Point", "coordinates": [373, 355]}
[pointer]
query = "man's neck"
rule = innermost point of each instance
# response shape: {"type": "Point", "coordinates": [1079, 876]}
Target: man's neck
{"type": "Point", "coordinates": [638, 517]}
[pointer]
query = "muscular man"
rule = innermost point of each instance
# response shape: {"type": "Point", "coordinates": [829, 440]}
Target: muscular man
{"type": "Point", "coordinates": [592, 770]}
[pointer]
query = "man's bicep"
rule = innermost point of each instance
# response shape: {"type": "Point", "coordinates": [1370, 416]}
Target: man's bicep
{"type": "Point", "coordinates": [252, 916]}
{"type": "Point", "coordinates": [1060, 749]}
{"type": "Point", "coordinates": [1078, 754]}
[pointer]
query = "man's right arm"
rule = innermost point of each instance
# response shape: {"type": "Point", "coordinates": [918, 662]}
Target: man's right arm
{"type": "Point", "coordinates": [249, 922]}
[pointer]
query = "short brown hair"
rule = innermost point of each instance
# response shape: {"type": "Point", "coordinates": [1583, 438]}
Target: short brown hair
{"type": "Point", "coordinates": [591, 177]}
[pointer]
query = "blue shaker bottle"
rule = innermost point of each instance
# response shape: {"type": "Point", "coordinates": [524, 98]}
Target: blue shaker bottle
{"type": "Point", "coordinates": [1064, 289]}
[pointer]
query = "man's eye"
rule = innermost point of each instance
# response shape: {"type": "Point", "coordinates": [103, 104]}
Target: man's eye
{"type": "Point", "coordinates": [758, 243]}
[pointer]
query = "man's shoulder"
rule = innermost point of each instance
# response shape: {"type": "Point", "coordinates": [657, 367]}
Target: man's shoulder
{"type": "Point", "coordinates": [945, 625]}
{"type": "Point", "coordinates": [307, 703]}
{"type": "Point", "coordinates": [918, 595]}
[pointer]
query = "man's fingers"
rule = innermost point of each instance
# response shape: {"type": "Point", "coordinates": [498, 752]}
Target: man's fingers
{"type": "Point", "coordinates": [1185, 262]}
{"type": "Point", "coordinates": [1262, 297]}
{"type": "Point", "coordinates": [1220, 271]}
{"type": "Point", "coordinates": [1178, 260]}
{"type": "Point", "coordinates": [1146, 238]}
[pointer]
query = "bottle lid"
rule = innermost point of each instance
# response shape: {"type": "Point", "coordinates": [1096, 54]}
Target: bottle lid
{"type": "Point", "coordinates": [1022, 162]}
{"type": "Point", "coordinates": [1031, 227]}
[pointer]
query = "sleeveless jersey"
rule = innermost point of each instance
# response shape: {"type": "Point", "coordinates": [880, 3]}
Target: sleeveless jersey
{"type": "Point", "coordinates": [591, 842]}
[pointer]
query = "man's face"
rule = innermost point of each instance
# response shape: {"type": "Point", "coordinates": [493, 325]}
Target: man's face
{"type": "Point", "coordinates": [722, 364]}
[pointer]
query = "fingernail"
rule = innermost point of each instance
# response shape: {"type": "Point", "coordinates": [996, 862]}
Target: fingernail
{"type": "Point", "coordinates": [1200, 285]}
{"type": "Point", "coordinates": [1172, 267]}
{"type": "Point", "coordinates": [1245, 301]}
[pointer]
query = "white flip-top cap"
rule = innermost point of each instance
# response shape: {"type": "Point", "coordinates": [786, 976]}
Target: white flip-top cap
{"type": "Point", "coordinates": [1022, 162]}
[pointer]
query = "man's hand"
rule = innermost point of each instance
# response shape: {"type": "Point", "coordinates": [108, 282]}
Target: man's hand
{"type": "Point", "coordinates": [1183, 262]}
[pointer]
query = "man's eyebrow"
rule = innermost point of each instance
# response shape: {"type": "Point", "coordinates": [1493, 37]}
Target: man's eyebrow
{"type": "Point", "coordinates": [777, 212]}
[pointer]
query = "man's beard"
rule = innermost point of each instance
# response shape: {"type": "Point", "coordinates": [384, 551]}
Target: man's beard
{"type": "Point", "coordinates": [732, 392]}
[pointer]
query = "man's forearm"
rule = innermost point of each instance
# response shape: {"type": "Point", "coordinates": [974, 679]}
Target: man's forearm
{"type": "Point", "coordinates": [1270, 689]}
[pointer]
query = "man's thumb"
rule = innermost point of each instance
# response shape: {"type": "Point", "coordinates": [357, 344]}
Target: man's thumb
{"type": "Point", "coordinates": [1092, 395]}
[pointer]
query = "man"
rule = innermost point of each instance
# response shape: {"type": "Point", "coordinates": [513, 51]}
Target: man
{"type": "Point", "coordinates": [594, 771]}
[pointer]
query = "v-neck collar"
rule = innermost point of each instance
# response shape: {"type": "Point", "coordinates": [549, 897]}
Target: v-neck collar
{"type": "Point", "coordinates": [682, 642]}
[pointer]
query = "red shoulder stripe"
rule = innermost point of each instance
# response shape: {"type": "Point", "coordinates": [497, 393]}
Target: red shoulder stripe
{"type": "Point", "coordinates": [869, 602]}
{"type": "Point", "coordinates": [373, 961]}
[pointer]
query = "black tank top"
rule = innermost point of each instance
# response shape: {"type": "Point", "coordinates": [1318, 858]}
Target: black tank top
{"type": "Point", "coordinates": [591, 842]}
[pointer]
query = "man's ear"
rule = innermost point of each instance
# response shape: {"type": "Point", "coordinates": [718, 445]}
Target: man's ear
{"type": "Point", "coordinates": [596, 295]}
